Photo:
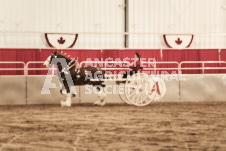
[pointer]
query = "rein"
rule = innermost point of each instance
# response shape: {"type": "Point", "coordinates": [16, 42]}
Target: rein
{"type": "Point", "coordinates": [69, 65]}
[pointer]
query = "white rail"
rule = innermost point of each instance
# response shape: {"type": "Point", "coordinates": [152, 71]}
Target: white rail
{"type": "Point", "coordinates": [154, 66]}
{"type": "Point", "coordinates": [13, 69]}
{"type": "Point", "coordinates": [104, 65]}
{"type": "Point", "coordinates": [203, 68]}
{"type": "Point", "coordinates": [27, 68]}
{"type": "Point", "coordinates": [179, 66]}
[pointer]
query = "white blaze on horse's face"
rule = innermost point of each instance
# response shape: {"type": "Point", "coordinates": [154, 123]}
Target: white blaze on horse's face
{"type": "Point", "coordinates": [47, 62]}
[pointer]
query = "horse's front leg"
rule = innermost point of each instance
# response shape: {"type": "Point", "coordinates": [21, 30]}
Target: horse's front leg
{"type": "Point", "coordinates": [68, 95]}
{"type": "Point", "coordinates": [67, 102]}
{"type": "Point", "coordinates": [64, 94]}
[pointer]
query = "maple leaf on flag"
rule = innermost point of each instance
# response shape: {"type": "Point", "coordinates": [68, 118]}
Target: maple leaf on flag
{"type": "Point", "coordinates": [61, 40]}
{"type": "Point", "coordinates": [178, 41]}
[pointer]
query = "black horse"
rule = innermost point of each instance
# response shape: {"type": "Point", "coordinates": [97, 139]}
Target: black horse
{"type": "Point", "coordinates": [68, 67]}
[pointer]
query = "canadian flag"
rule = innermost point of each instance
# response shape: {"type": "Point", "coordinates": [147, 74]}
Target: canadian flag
{"type": "Point", "coordinates": [178, 41]}
{"type": "Point", "coordinates": [61, 41]}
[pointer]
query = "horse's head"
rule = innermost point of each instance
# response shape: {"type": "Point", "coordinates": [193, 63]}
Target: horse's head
{"type": "Point", "coordinates": [55, 54]}
{"type": "Point", "coordinates": [48, 61]}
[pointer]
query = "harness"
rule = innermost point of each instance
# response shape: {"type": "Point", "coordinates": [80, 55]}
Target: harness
{"type": "Point", "coordinates": [71, 64]}
{"type": "Point", "coordinates": [66, 70]}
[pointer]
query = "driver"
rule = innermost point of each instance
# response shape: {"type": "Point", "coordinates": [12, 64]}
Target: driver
{"type": "Point", "coordinates": [134, 67]}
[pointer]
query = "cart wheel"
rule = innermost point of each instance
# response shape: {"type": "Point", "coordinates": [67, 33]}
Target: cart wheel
{"type": "Point", "coordinates": [140, 89]}
{"type": "Point", "coordinates": [123, 96]}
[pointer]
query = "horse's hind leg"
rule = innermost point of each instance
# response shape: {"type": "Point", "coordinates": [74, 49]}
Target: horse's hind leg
{"type": "Point", "coordinates": [101, 95]}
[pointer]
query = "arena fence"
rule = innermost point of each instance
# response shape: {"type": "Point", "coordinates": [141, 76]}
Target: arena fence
{"type": "Point", "coordinates": [205, 65]}
{"type": "Point", "coordinates": [26, 88]}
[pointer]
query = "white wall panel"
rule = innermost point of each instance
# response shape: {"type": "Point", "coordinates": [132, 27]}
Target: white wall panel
{"type": "Point", "coordinates": [13, 90]}
{"type": "Point", "coordinates": [145, 16]}
{"type": "Point", "coordinates": [177, 16]}
{"type": "Point", "coordinates": [207, 88]}
{"type": "Point", "coordinates": [61, 16]}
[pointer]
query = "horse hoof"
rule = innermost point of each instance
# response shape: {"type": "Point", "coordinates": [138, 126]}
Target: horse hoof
{"type": "Point", "coordinates": [65, 104]}
{"type": "Point", "coordinates": [96, 103]}
{"type": "Point", "coordinates": [102, 96]}
{"type": "Point", "coordinates": [62, 103]}
{"type": "Point", "coordinates": [102, 103]}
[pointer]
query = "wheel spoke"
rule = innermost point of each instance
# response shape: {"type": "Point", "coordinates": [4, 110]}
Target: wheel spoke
{"type": "Point", "coordinates": [131, 96]}
{"type": "Point", "coordinates": [131, 93]}
{"type": "Point", "coordinates": [146, 92]}
{"type": "Point", "coordinates": [137, 99]}
{"type": "Point", "coordinates": [133, 99]}
{"type": "Point", "coordinates": [140, 99]}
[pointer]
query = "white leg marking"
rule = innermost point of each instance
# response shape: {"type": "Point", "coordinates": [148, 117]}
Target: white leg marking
{"type": "Point", "coordinates": [67, 102]}
{"type": "Point", "coordinates": [102, 97]}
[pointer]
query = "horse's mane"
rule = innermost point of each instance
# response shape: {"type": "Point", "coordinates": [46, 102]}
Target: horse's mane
{"type": "Point", "coordinates": [60, 54]}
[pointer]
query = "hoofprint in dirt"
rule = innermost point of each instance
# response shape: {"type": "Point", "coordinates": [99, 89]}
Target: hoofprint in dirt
{"type": "Point", "coordinates": [159, 126]}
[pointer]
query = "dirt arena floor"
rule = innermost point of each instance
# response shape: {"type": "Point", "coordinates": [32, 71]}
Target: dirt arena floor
{"type": "Point", "coordinates": [159, 126]}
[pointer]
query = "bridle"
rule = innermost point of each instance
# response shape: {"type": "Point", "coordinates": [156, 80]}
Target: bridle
{"type": "Point", "coordinates": [71, 64]}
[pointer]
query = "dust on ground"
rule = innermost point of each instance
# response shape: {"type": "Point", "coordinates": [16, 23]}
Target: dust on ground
{"type": "Point", "coordinates": [159, 126]}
